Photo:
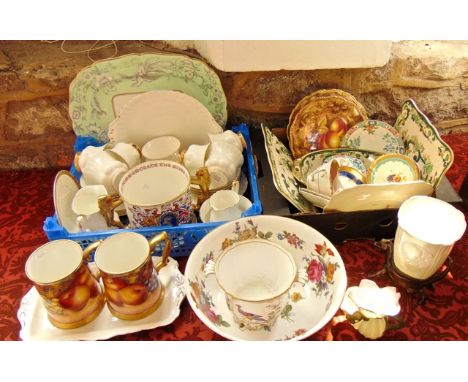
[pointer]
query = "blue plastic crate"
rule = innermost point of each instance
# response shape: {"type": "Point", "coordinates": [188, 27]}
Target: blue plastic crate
{"type": "Point", "coordinates": [184, 237]}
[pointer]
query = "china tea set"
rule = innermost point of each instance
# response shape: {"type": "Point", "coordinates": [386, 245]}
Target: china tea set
{"type": "Point", "coordinates": [157, 184]}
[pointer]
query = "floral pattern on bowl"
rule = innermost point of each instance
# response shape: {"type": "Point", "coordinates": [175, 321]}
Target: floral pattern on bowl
{"type": "Point", "coordinates": [309, 307]}
{"type": "Point", "coordinates": [375, 136]}
{"type": "Point", "coordinates": [423, 143]}
{"type": "Point", "coordinates": [281, 165]}
{"type": "Point", "coordinates": [310, 162]}
{"type": "Point", "coordinates": [93, 90]}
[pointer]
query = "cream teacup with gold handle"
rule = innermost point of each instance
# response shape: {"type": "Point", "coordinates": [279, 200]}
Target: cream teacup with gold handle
{"type": "Point", "coordinates": [131, 282]}
{"type": "Point", "coordinates": [70, 293]}
{"type": "Point", "coordinates": [165, 147]}
{"type": "Point", "coordinates": [256, 276]}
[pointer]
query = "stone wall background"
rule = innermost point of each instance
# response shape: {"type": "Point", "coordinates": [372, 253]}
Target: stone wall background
{"type": "Point", "coordinates": [36, 132]}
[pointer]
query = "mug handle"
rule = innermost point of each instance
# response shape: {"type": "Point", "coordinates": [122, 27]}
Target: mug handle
{"type": "Point", "coordinates": [87, 256]}
{"type": "Point", "coordinates": [107, 205]}
{"type": "Point", "coordinates": [202, 178]}
{"type": "Point", "coordinates": [163, 236]}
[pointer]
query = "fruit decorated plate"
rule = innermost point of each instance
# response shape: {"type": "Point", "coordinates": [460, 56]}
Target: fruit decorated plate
{"type": "Point", "coordinates": [100, 90]}
{"type": "Point", "coordinates": [65, 189]}
{"type": "Point", "coordinates": [321, 120]}
{"type": "Point", "coordinates": [309, 307]}
{"type": "Point", "coordinates": [367, 197]}
{"type": "Point", "coordinates": [375, 136]}
{"type": "Point", "coordinates": [36, 326]}
{"type": "Point", "coordinates": [164, 112]}
{"type": "Point", "coordinates": [393, 168]}
{"type": "Point", "coordinates": [360, 159]}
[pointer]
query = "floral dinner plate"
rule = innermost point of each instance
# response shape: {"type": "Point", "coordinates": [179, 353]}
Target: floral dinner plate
{"type": "Point", "coordinates": [309, 307]}
{"type": "Point", "coordinates": [92, 106]}
{"type": "Point", "coordinates": [375, 136]}
{"type": "Point", "coordinates": [36, 326]}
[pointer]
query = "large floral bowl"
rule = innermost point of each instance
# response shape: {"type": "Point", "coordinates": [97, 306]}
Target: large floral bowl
{"type": "Point", "coordinates": [309, 308]}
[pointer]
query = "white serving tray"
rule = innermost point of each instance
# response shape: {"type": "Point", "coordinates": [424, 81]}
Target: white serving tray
{"type": "Point", "coordinates": [36, 326]}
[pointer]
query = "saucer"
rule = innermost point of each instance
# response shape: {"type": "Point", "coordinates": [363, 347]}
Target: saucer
{"type": "Point", "coordinates": [315, 198]}
{"type": "Point", "coordinates": [65, 188]}
{"type": "Point", "coordinates": [393, 168]}
{"type": "Point", "coordinates": [309, 308]}
{"type": "Point", "coordinates": [36, 326]}
{"type": "Point", "coordinates": [205, 208]}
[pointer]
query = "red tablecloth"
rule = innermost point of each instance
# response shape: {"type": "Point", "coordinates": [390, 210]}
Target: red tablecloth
{"type": "Point", "coordinates": [26, 199]}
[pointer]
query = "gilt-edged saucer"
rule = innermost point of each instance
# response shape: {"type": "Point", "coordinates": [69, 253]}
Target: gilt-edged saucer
{"type": "Point", "coordinates": [36, 326]}
{"type": "Point", "coordinates": [65, 189]}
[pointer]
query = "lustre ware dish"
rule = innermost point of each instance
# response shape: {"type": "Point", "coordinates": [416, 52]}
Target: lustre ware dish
{"type": "Point", "coordinates": [321, 123]}
{"type": "Point", "coordinates": [308, 308]}
{"type": "Point", "coordinates": [393, 168]}
{"type": "Point", "coordinates": [164, 112]}
{"type": "Point", "coordinates": [35, 325]}
{"type": "Point", "coordinates": [423, 143]}
{"type": "Point", "coordinates": [95, 90]}
{"type": "Point", "coordinates": [281, 165]}
{"type": "Point", "coordinates": [375, 136]}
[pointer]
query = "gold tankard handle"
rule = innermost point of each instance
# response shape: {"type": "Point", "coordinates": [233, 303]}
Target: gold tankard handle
{"type": "Point", "coordinates": [107, 205]}
{"type": "Point", "coordinates": [155, 240]}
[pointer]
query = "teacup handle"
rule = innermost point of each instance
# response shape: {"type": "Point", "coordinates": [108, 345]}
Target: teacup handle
{"type": "Point", "coordinates": [155, 240]}
{"type": "Point", "coordinates": [209, 268]}
{"type": "Point", "coordinates": [202, 178]}
{"type": "Point", "coordinates": [87, 257]}
{"type": "Point", "coordinates": [301, 277]}
{"type": "Point", "coordinates": [107, 205]}
{"type": "Point", "coordinates": [137, 148]}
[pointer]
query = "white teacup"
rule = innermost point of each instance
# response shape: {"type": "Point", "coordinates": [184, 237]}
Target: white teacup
{"type": "Point", "coordinates": [162, 148]}
{"type": "Point", "coordinates": [194, 158]}
{"type": "Point", "coordinates": [320, 180]}
{"type": "Point", "coordinates": [103, 168]}
{"type": "Point", "coordinates": [85, 205]}
{"type": "Point", "coordinates": [229, 136]}
{"type": "Point", "coordinates": [346, 177]}
{"type": "Point", "coordinates": [128, 153]}
{"type": "Point", "coordinates": [256, 276]}
{"type": "Point", "coordinates": [427, 230]}
{"type": "Point", "coordinates": [88, 153]}
{"type": "Point", "coordinates": [225, 205]}
{"type": "Point", "coordinates": [224, 161]}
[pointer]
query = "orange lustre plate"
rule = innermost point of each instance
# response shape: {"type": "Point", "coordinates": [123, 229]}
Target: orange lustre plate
{"type": "Point", "coordinates": [321, 119]}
